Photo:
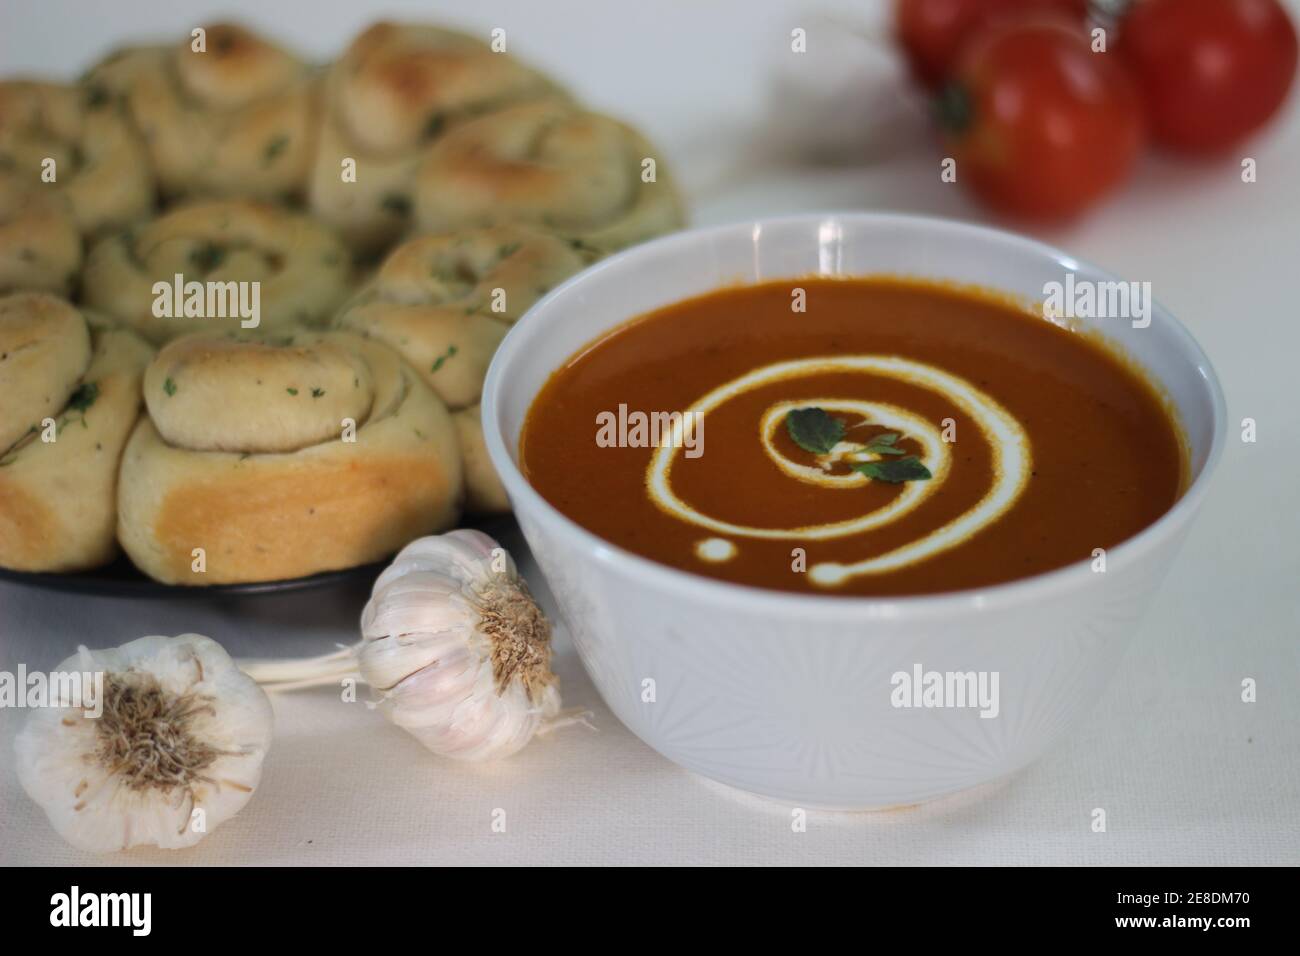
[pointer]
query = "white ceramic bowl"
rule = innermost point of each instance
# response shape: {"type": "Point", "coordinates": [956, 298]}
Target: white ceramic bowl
{"type": "Point", "coordinates": [789, 695]}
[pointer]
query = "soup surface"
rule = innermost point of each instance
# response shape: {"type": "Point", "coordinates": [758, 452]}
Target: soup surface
{"type": "Point", "coordinates": [894, 437]}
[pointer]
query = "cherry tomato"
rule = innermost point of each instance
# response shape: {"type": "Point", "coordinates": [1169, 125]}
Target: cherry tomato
{"type": "Point", "coordinates": [1210, 72]}
{"type": "Point", "coordinates": [1040, 126]}
{"type": "Point", "coordinates": [932, 31]}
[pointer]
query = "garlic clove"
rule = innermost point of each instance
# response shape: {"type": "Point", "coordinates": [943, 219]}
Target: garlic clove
{"type": "Point", "coordinates": [423, 602]}
{"type": "Point", "coordinates": [480, 731]}
{"type": "Point", "coordinates": [464, 555]}
{"type": "Point", "coordinates": [432, 693]}
{"type": "Point", "coordinates": [176, 751]}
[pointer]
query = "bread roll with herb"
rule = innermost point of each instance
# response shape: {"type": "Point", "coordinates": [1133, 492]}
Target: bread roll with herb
{"type": "Point", "coordinates": [549, 163]}
{"type": "Point", "coordinates": [484, 493]}
{"type": "Point", "coordinates": [70, 391]}
{"type": "Point", "coordinates": [40, 245]}
{"type": "Point", "coordinates": [235, 119]}
{"type": "Point", "coordinates": [395, 90]}
{"type": "Point", "coordinates": [445, 302]}
{"type": "Point", "coordinates": [52, 136]}
{"type": "Point", "coordinates": [283, 457]}
{"type": "Point", "coordinates": [301, 269]}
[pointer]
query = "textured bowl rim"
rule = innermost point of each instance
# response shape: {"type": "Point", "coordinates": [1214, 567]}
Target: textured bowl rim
{"type": "Point", "coordinates": [1019, 592]}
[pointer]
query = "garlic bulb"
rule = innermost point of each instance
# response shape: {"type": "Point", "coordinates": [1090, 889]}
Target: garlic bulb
{"type": "Point", "coordinates": [175, 750]}
{"type": "Point", "coordinates": [456, 649]}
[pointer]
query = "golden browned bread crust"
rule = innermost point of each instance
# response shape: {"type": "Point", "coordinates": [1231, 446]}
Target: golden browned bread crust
{"type": "Point", "coordinates": [70, 388]}
{"type": "Point", "coordinates": [484, 493]}
{"type": "Point", "coordinates": [396, 89]}
{"type": "Point", "coordinates": [99, 162]}
{"type": "Point", "coordinates": [549, 163]}
{"type": "Point", "coordinates": [445, 302]}
{"type": "Point", "coordinates": [193, 477]}
{"type": "Point", "coordinates": [40, 246]}
{"type": "Point", "coordinates": [302, 268]}
{"type": "Point", "coordinates": [236, 120]}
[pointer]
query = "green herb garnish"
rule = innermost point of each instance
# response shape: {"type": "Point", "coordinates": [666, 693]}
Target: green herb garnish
{"type": "Point", "coordinates": [433, 125]}
{"type": "Point", "coordinates": [896, 471]}
{"type": "Point", "coordinates": [317, 392]}
{"type": "Point", "coordinates": [812, 429]}
{"type": "Point", "coordinates": [438, 362]}
{"type": "Point", "coordinates": [816, 431]}
{"type": "Point", "coordinates": [292, 391]}
{"type": "Point", "coordinates": [884, 444]}
{"type": "Point", "coordinates": [169, 387]}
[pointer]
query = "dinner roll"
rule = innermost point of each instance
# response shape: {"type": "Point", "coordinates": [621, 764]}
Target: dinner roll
{"type": "Point", "coordinates": [236, 118]}
{"type": "Point", "coordinates": [551, 163]}
{"type": "Point", "coordinates": [446, 301]}
{"type": "Point", "coordinates": [301, 269]}
{"type": "Point", "coordinates": [55, 138]}
{"type": "Point", "coordinates": [40, 246]}
{"type": "Point", "coordinates": [396, 89]}
{"type": "Point", "coordinates": [70, 390]}
{"type": "Point", "coordinates": [271, 457]}
{"type": "Point", "coordinates": [484, 493]}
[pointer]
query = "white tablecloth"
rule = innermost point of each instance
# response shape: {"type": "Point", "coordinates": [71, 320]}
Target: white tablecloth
{"type": "Point", "coordinates": [1186, 771]}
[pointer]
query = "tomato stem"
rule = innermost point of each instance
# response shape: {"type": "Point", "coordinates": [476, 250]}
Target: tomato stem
{"type": "Point", "coordinates": [952, 108]}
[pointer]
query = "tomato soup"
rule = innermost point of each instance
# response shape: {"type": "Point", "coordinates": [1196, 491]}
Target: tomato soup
{"type": "Point", "coordinates": [854, 437]}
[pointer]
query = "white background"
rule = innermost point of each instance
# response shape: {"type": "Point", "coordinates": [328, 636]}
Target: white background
{"type": "Point", "coordinates": [1186, 772]}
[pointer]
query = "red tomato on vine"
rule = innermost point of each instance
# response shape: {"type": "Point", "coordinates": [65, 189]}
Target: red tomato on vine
{"type": "Point", "coordinates": [932, 32]}
{"type": "Point", "coordinates": [1210, 72]}
{"type": "Point", "coordinates": [1040, 125]}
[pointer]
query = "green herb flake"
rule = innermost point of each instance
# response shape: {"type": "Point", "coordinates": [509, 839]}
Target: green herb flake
{"type": "Point", "coordinates": [317, 392]}
{"type": "Point", "coordinates": [438, 362]}
{"type": "Point", "coordinates": [396, 205]}
{"type": "Point", "coordinates": [83, 397]}
{"type": "Point", "coordinates": [273, 149]}
{"type": "Point", "coordinates": [586, 248]}
{"type": "Point", "coordinates": [896, 471]}
{"type": "Point", "coordinates": [169, 386]}
{"type": "Point", "coordinates": [97, 95]}
{"type": "Point", "coordinates": [812, 429]}
{"type": "Point", "coordinates": [208, 256]}
{"type": "Point", "coordinates": [434, 125]}
{"type": "Point", "coordinates": [292, 391]}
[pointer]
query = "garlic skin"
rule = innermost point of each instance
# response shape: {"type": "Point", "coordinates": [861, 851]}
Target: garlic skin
{"type": "Point", "coordinates": [457, 650]}
{"type": "Point", "coordinates": [182, 729]}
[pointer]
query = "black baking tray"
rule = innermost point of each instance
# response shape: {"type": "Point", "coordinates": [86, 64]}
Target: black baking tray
{"type": "Point", "coordinates": [121, 578]}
